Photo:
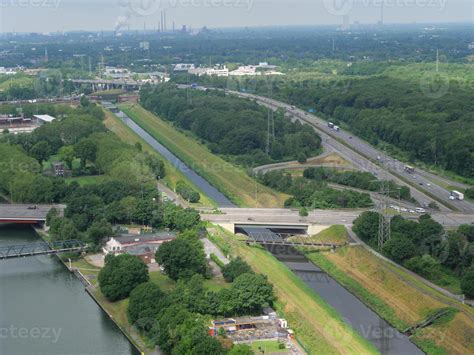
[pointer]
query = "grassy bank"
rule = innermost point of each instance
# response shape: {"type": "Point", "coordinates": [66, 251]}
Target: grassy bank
{"type": "Point", "coordinates": [227, 178]}
{"type": "Point", "coordinates": [317, 325]}
{"type": "Point", "coordinates": [173, 175]}
{"type": "Point", "coordinates": [398, 298]}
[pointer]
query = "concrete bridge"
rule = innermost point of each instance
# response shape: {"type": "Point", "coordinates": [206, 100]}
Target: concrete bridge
{"type": "Point", "coordinates": [26, 213]}
{"type": "Point", "coordinates": [98, 85]}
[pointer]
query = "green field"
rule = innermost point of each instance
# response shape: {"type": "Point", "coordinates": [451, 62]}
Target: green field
{"type": "Point", "coordinates": [229, 179]}
{"type": "Point", "coordinates": [317, 325]}
{"type": "Point", "coordinates": [268, 347]}
{"type": "Point", "coordinates": [173, 175]}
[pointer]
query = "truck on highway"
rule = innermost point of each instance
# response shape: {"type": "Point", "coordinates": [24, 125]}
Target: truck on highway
{"type": "Point", "coordinates": [409, 169]}
{"type": "Point", "coordinates": [456, 195]}
{"type": "Point", "coordinates": [330, 125]}
{"type": "Point", "coordinates": [336, 128]}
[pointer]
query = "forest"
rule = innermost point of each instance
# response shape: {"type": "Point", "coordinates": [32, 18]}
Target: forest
{"type": "Point", "coordinates": [231, 127]}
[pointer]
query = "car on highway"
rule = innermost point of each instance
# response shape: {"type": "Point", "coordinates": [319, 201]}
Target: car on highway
{"type": "Point", "coordinates": [411, 211]}
{"type": "Point", "coordinates": [420, 210]}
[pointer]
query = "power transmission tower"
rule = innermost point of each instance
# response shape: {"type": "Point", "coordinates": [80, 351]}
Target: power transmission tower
{"type": "Point", "coordinates": [270, 123]}
{"type": "Point", "coordinates": [384, 218]}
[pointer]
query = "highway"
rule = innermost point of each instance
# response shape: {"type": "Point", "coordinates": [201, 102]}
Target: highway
{"type": "Point", "coordinates": [270, 216]}
{"type": "Point", "coordinates": [368, 158]}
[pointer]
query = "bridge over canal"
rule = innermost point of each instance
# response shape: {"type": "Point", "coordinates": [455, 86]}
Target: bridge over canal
{"type": "Point", "coordinates": [26, 213]}
{"type": "Point", "coordinates": [41, 248]}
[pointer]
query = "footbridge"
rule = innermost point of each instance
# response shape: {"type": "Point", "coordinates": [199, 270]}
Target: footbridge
{"type": "Point", "coordinates": [42, 248]}
{"type": "Point", "coordinates": [26, 213]}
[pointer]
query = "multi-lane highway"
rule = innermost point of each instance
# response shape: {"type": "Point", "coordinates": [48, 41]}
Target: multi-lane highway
{"type": "Point", "coordinates": [424, 186]}
{"type": "Point", "coordinates": [268, 216]}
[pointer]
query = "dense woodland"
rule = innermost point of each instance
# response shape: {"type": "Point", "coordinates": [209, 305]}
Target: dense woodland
{"type": "Point", "coordinates": [444, 257]}
{"type": "Point", "coordinates": [232, 127]}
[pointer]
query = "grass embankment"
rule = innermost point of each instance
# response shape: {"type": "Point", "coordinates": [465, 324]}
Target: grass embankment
{"type": "Point", "coordinates": [399, 298]}
{"type": "Point", "coordinates": [227, 178]}
{"type": "Point", "coordinates": [317, 325]}
{"type": "Point", "coordinates": [173, 175]}
{"type": "Point", "coordinates": [268, 347]}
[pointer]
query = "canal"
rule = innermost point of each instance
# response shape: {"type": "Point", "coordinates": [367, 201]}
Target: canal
{"type": "Point", "coordinates": [45, 310]}
{"type": "Point", "coordinates": [372, 327]}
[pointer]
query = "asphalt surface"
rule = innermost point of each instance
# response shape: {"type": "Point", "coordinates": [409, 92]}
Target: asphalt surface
{"type": "Point", "coordinates": [269, 216]}
{"type": "Point", "coordinates": [25, 212]}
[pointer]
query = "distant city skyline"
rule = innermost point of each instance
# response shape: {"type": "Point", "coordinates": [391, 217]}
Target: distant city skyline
{"type": "Point", "coordinates": [69, 15]}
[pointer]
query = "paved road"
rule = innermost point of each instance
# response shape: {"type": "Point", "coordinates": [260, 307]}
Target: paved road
{"type": "Point", "coordinates": [323, 217]}
{"type": "Point", "coordinates": [363, 155]}
{"type": "Point", "coordinates": [26, 212]}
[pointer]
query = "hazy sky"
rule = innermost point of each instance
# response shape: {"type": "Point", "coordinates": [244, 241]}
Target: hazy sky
{"type": "Point", "coordinates": [53, 15]}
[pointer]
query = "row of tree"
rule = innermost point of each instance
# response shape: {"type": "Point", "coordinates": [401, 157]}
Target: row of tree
{"type": "Point", "coordinates": [359, 179]}
{"type": "Point", "coordinates": [312, 193]}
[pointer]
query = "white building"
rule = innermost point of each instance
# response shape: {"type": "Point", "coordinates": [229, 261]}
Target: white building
{"type": "Point", "coordinates": [42, 119]}
{"type": "Point", "coordinates": [218, 70]}
{"type": "Point", "coordinates": [183, 67]}
{"type": "Point", "coordinates": [125, 242]}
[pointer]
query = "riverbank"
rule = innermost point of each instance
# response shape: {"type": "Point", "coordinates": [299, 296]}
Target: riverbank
{"type": "Point", "coordinates": [398, 299]}
{"type": "Point", "coordinates": [318, 327]}
{"type": "Point", "coordinates": [117, 313]}
{"type": "Point", "coordinates": [231, 180]}
{"type": "Point", "coordinates": [173, 175]}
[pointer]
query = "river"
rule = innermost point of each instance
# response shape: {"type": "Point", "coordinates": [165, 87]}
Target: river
{"type": "Point", "coordinates": [44, 309]}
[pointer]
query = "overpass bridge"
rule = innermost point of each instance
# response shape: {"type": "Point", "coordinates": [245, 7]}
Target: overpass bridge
{"type": "Point", "coordinates": [317, 220]}
{"type": "Point", "coordinates": [26, 213]}
{"type": "Point", "coordinates": [98, 85]}
{"type": "Point", "coordinates": [42, 248]}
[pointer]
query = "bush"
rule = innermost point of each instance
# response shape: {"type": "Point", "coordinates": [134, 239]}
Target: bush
{"type": "Point", "coordinates": [186, 192]}
{"type": "Point", "coordinates": [467, 282]}
{"type": "Point", "coordinates": [182, 258]}
{"type": "Point", "coordinates": [235, 268]}
{"type": "Point", "coordinates": [120, 275]}
{"type": "Point", "coordinates": [145, 302]}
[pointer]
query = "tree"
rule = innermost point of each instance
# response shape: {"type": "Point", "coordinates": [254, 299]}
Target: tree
{"type": "Point", "coordinates": [425, 266]}
{"type": "Point", "coordinates": [146, 300]}
{"type": "Point", "coordinates": [251, 293]}
{"type": "Point", "coordinates": [99, 230]}
{"type": "Point", "coordinates": [86, 150]}
{"type": "Point", "coordinates": [66, 154]}
{"type": "Point", "coordinates": [399, 248]}
{"type": "Point", "coordinates": [120, 275]}
{"type": "Point", "coordinates": [467, 282]}
{"type": "Point", "coordinates": [182, 258]}
{"type": "Point", "coordinates": [235, 268]}
{"type": "Point", "coordinates": [366, 225]}
{"type": "Point", "coordinates": [41, 151]}
{"type": "Point", "coordinates": [302, 158]}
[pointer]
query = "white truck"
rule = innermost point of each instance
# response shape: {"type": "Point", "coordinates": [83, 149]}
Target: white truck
{"type": "Point", "coordinates": [456, 195]}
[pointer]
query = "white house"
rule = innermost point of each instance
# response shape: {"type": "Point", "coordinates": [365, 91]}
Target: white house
{"type": "Point", "coordinates": [42, 119]}
{"type": "Point", "coordinates": [124, 243]}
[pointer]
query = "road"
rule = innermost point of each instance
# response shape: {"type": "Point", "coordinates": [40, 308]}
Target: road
{"type": "Point", "coordinates": [370, 159]}
{"type": "Point", "coordinates": [322, 217]}
{"type": "Point", "coordinates": [26, 213]}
